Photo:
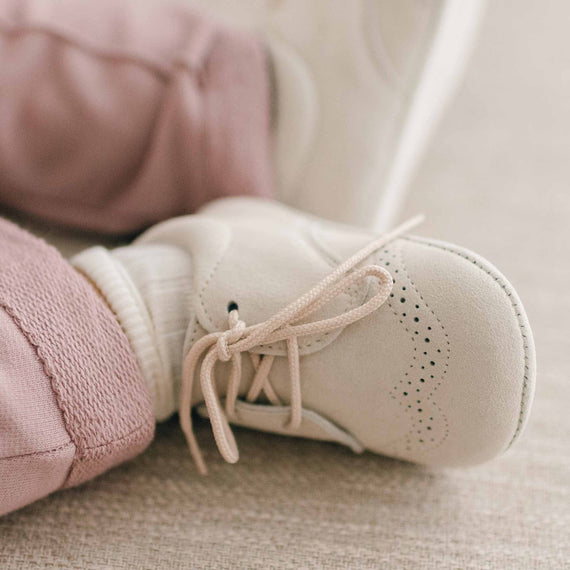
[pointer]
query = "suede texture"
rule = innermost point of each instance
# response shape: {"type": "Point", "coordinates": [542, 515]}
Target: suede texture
{"type": "Point", "coordinates": [442, 374]}
{"type": "Point", "coordinates": [452, 388]}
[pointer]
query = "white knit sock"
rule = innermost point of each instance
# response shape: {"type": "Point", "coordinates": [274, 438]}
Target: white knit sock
{"type": "Point", "coordinates": [149, 289]}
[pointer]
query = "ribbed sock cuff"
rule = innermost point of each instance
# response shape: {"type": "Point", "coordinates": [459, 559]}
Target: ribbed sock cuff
{"type": "Point", "coordinates": [115, 285]}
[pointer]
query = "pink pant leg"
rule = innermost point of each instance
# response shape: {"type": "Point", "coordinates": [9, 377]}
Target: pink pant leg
{"type": "Point", "coordinates": [73, 402]}
{"type": "Point", "coordinates": [115, 114]}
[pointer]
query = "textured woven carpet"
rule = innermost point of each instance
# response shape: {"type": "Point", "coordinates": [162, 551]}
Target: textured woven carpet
{"type": "Point", "coordinates": [496, 180]}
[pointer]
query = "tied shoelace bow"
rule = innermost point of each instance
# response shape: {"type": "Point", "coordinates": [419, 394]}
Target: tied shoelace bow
{"type": "Point", "coordinates": [229, 345]}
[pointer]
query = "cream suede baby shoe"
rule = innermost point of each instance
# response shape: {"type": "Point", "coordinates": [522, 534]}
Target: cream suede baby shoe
{"type": "Point", "coordinates": [268, 318]}
{"type": "Point", "coordinates": [358, 88]}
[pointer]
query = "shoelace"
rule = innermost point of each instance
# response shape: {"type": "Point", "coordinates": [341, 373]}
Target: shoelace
{"type": "Point", "coordinates": [229, 345]}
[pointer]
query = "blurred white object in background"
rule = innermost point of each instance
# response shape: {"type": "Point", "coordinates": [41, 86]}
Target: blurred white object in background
{"type": "Point", "coordinates": [359, 87]}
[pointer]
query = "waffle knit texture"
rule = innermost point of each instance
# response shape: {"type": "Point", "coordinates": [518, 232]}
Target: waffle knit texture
{"type": "Point", "coordinates": [73, 400]}
{"type": "Point", "coordinates": [116, 114]}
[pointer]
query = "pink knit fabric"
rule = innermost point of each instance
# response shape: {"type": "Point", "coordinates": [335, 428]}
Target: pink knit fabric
{"type": "Point", "coordinates": [73, 402]}
{"type": "Point", "coordinates": [35, 448]}
{"type": "Point", "coordinates": [116, 114]}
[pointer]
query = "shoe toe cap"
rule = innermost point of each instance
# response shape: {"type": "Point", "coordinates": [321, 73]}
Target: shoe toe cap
{"type": "Point", "coordinates": [474, 362]}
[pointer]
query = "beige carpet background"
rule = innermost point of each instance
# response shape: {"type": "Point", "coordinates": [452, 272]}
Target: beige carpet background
{"type": "Point", "coordinates": [497, 180]}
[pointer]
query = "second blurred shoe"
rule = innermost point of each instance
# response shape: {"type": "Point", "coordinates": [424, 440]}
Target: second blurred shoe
{"type": "Point", "coordinates": [358, 87]}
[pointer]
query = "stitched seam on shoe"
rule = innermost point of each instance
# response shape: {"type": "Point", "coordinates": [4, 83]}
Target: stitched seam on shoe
{"type": "Point", "coordinates": [205, 286]}
{"type": "Point", "coordinates": [318, 340]}
{"type": "Point", "coordinates": [352, 302]}
{"type": "Point", "coordinates": [357, 295]}
{"type": "Point", "coordinates": [517, 312]}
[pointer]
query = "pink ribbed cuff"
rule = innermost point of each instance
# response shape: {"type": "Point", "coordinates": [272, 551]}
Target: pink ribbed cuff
{"type": "Point", "coordinates": [82, 357]}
